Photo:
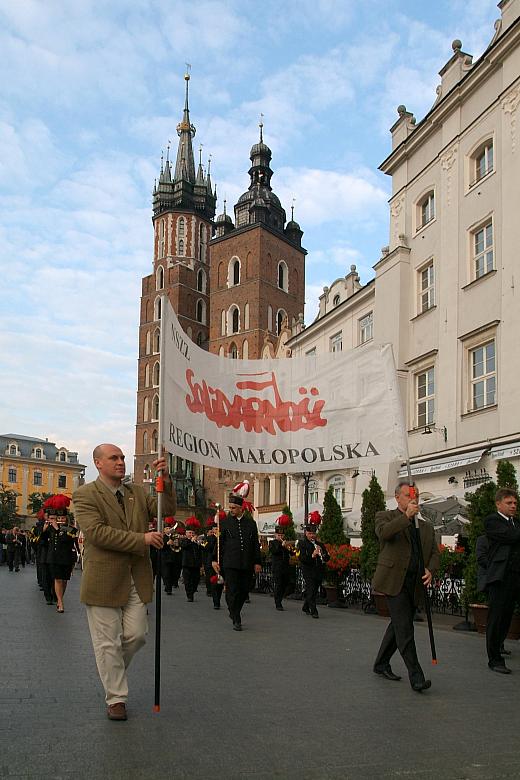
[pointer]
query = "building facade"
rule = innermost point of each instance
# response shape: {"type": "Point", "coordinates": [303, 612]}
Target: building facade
{"type": "Point", "coordinates": [30, 465]}
{"type": "Point", "coordinates": [444, 288]}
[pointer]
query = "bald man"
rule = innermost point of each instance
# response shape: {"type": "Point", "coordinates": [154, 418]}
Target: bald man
{"type": "Point", "coordinates": [117, 580]}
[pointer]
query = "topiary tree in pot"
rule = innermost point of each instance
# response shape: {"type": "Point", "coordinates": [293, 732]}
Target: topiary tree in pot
{"type": "Point", "coordinates": [373, 501]}
{"type": "Point", "coordinates": [481, 503]}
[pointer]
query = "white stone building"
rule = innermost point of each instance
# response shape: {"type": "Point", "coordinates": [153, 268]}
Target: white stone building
{"type": "Point", "coordinates": [444, 292]}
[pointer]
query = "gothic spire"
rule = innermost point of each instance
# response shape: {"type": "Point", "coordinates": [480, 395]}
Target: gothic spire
{"type": "Point", "coordinates": [185, 165]}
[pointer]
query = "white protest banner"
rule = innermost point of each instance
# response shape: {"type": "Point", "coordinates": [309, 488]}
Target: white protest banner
{"type": "Point", "coordinates": [298, 414]}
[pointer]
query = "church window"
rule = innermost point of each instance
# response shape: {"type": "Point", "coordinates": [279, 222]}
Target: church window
{"type": "Point", "coordinates": [145, 448]}
{"type": "Point", "coordinates": [201, 311]}
{"type": "Point", "coordinates": [283, 276]}
{"type": "Point", "coordinates": [155, 441]}
{"type": "Point", "coordinates": [156, 340]}
{"type": "Point", "coordinates": [181, 247]}
{"type": "Point", "coordinates": [245, 350]}
{"type": "Point", "coordinates": [155, 376]}
{"type": "Point", "coordinates": [159, 278]}
{"type": "Point", "coordinates": [281, 315]}
{"type": "Point", "coordinates": [146, 411]}
{"type": "Point", "coordinates": [233, 272]}
{"type": "Point", "coordinates": [202, 242]}
{"type": "Point", "coordinates": [161, 242]}
{"type": "Point", "coordinates": [157, 309]}
{"type": "Point", "coordinates": [147, 343]}
{"type": "Point", "coordinates": [223, 322]}
{"type": "Point", "coordinates": [201, 281]}
{"type": "Point", "coordinates": [155, 409]}
{"type": "Point", "coordinates": [199, 338]}
{"type": "Point", "coordinates": [147, 375]}
{"type": "Point", "coordinates": [234, 319]}
{"type": "Point", "coordinates": [233, 351]}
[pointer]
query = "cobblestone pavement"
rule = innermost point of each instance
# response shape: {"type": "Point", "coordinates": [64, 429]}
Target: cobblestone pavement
{"type": "Point", "coordinates": [289, 697]}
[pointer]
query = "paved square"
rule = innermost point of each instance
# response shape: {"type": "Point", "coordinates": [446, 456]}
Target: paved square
{"type": "Point", "coordinates": [289, 697]}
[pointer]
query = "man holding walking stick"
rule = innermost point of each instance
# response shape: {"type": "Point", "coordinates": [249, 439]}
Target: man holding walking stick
{"type": "Point", "coordinates": [401, 577]}
{"type": "Point", "coordinates": [117, 575]}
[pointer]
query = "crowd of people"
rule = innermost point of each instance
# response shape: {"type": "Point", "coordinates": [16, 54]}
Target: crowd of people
{"type": "Point", "coordinates": [123, 550]}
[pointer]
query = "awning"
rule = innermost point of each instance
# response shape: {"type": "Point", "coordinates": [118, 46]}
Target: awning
{"type": "Point", "coordinates": [444, 464]}
{"type": "Point", "coordinates": [505, 451]}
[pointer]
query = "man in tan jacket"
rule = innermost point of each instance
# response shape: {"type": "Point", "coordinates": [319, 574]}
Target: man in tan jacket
{"type": "Point", "coordinates": [117, 580]}
{"type": "Point", "coordinates": [398, 574]}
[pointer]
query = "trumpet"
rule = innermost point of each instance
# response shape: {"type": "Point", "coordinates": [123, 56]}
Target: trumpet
{"type": "Point", "coordinates": [174, 542]}
{"type": "Point", "coordinates": [201, 540]}
{"type": "Point", "coordinates": [291, 547]}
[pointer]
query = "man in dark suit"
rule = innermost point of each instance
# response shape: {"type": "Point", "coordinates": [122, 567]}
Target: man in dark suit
{"type": "Point", "coordinates": [502, 574]}
{"type": "Point", "coordinates": [280, 567]}
{"type": "Point", "coordinates": [239, 556]}
{"type": "Point", "coordinates": [191, 558]}
{"type": "Point", "coordinates": [313, 557]}
{"type": "Point", "coordinates": [398, 575]}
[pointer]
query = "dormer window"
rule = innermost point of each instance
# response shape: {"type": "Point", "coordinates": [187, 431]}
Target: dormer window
{"type": "Point", "coordinates": [63, 457]}
{"type": "Point", "coordinates": [37, 453]}
{"type": "Point", "coordinates": [427, 209]}
{"type": "Point", "coordinates": [12, 449]}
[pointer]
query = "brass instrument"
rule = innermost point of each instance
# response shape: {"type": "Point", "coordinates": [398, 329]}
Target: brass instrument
{"type": "Point", "coordinates": [201, 540]}
{"type": "Point", "coordinates": [174, 542]}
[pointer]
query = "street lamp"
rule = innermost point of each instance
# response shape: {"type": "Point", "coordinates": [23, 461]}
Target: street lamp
{"type": "Point", "coordinates": [306, 477]}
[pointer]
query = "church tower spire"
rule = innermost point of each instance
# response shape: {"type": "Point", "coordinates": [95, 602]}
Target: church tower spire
{"type": "Point", "coordinates": [185, 165]}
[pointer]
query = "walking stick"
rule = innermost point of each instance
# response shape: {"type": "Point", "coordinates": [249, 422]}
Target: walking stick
{"type": "Point", "coordinates": [159, 487]}
{"type": "Point", "coordinates": [422, 568]}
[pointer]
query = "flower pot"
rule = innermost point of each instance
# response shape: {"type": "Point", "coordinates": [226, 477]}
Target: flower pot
{"type": "Point", "coordinates": [480, 616]}
{"type": "Point", "coordinates": [332, 593]}
{"type": "Point", "coordinates": [381, 604]}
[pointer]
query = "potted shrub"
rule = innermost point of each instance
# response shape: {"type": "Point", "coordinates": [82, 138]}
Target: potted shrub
{"type": "Point", "coordinates": [373, 502]}
{"type": "Point", "coordinates": [333, 537]}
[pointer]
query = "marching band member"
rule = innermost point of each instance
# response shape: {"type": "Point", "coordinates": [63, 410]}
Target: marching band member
{"type": "Point", "coordinates": [211, 554]}
{"type": "Point", "coordinates": [63, 549]}
{"type": "Point", "coordinates": [191, 557]}
{"type": "Point", "coordinates": [313, 557]}
{"type": "Point", "coordinates": [280, 556]}
{"type": "Point", "coordinates": [171, 550]}
{"type": "Point", "coordinates": [239, 552]}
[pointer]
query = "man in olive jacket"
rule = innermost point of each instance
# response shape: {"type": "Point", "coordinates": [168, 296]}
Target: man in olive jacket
{"type": "Point", "coordinates": [398, 575]}
{"type": "Point", "coordinates": [117, 578]}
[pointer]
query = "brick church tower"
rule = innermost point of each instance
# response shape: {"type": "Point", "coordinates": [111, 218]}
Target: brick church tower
{"type": "Point", "coordinates": [257, 279]}
{"type": "Point", "coordinates": [257, 269]}
{"type": "Point", "coordinates": [183, 209]}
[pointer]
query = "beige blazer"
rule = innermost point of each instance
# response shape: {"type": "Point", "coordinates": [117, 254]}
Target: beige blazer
{"type": "Point", "coordinates": [393, 530]}
{"type": "Point", "coordinates": [114, 548]}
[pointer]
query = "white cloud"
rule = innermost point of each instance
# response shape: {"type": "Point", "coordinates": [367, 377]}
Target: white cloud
{"type": "Point", "coordinates": [331, 196]}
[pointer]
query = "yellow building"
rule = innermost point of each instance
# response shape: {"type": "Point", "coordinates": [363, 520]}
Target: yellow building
{"type": "Point", "coordinates": [29, 465]}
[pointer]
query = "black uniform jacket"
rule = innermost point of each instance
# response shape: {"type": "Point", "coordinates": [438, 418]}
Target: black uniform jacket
{"type": "Point", "coordinates": [503, 546]}
{"type": "Point", "coordinates": [310, 565]}
{"type": "Point", "coordinates": [191, 554]}
{"type": "Point", "coordinates": [62, 545]}
{"type": "Point", "coordinates": [280, 556]}
{"type": "Point", "coordinates": [239, 545]}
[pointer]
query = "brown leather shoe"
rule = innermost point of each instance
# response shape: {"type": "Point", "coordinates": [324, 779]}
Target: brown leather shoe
{"type": "Point", "coordinates": [116, 711]}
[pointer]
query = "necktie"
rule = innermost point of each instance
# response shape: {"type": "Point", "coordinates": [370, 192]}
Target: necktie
{"type": "Point", "coordinates": [120, 500]}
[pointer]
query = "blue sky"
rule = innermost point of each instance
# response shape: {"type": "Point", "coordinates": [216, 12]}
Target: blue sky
{"type": "Point", "coordinates": [92, 91]}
